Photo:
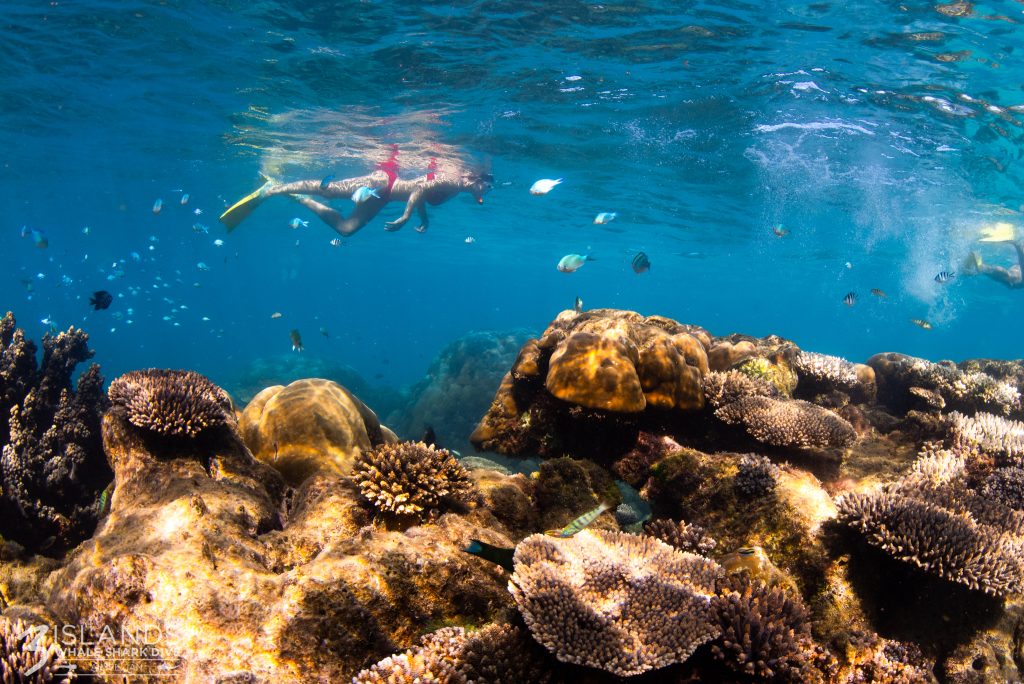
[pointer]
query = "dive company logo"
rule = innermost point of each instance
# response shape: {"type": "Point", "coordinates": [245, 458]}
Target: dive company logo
{"type": "Point", "coordinates": [125, 653]}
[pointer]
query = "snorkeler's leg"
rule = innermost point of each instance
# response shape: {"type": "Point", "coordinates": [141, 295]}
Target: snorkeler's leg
{"type": "Point", "coordinates": [241, 209]}
{"type": "Point", "coordinates": [362, 214]}
{"type": "Point", "coordinates": [424, 219]}
{"type": "Point", "coordinates": [999, 274]}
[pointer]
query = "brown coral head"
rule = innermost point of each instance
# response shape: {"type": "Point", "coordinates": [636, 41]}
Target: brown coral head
{"type": "Point", "coordinates": [597, 371]}
{"type": "Point", "coordinates": [623, 603]}
{"type": "Point", "coordinates": [171, 402]}
{"type": "Point", "coordinates": [410, 478]}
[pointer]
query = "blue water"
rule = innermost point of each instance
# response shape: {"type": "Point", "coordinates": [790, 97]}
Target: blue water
{"type": "Point", "coordinates": [702, 124]}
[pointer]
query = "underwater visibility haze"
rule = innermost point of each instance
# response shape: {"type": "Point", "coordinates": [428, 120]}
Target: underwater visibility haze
{"type": "Point", "coordinates": [683, 273]}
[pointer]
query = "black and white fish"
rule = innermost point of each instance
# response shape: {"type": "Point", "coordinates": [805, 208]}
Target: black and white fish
{"type": "Point", "coordinates": [850, 299]}
{"type": "Point", "coordinates": [944, 276]}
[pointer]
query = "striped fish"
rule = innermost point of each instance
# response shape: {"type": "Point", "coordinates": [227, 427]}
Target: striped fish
{"type": "Point", "coordinates": [944, 276]}
{"type": "Point", "coordinates": [850, 299]}
{"type": "Point", "coordinates": [579, 523]}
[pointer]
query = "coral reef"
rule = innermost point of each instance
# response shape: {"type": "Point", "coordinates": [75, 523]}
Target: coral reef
{"type": "Point", "coordinates": [497, 654]}
{"type": "Point", "coordinates": [793, 423]}
{"type": "Point", "coordinates": [756, 476]}
{"type": "Point", "coordinates": [621, 603]}
{"type": "Point", "coordinates": [242, 575]}
{"type": "Point", "coordinates": [410, 478]}
{"type": "Point", "coordinates": [721, 389]}
{"type": "Point", "coordinates": [823, 374]}
{"type": "Point", "coordinates": [310, 426]}
{"type": "Point", "coordinates": [458, 388]}
{"type": "Point", "coordinates": [970, 392]}
{"type": "Point", "coordinates": [766, 631]}
{"type": "Point", "coordinates": [31, 656]}
{"type": "Point", "coordinates": [52, 468]}
{"type": "Point", "coordinates": [171, 402]}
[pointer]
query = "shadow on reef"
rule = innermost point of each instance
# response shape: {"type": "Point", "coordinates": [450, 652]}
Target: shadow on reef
{"type": "Point", "coordinates": [728, 509]}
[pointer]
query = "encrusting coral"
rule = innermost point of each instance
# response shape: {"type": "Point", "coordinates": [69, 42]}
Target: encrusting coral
{"type": "Point", "coordinates": [766, 631]}
{"type": "Point", "coordinates": [52, 468]}
{"type": "Point", "coordinates": [410, 478]}
{"type": "Point", "coordinates": [173, 403]}
{"type": "Point", "coordinates": [496, 654]}
{"type": "Point", "coordinates": [792, 423]}
{"type": "Point", "coordinates": [30, 656]}
{"type": "Point", "coordinates": [622, 603]}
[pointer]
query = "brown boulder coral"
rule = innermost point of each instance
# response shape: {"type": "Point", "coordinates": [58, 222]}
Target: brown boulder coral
{"type": "Point", "coordinates": [589, 378]}
{"type": "Point", "coordinates": [175, 403]}
{"type": "Point", "coordinates": [622, 603]}
{"type": "Point", "coordinates": [410, 478]}
{"type": "Point", "coordinates": [310, 426]}
{"type": "Point", "coordinates": [793, 423]}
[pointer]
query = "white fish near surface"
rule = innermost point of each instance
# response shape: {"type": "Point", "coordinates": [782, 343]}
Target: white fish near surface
{"type": "Point", "coordinates": [364, 193]}
{"type": "Point", "coordinates": [571, 263]}
{"type": "Point", "coordinates": [198, 211]}
{"type": "Point", "coordinates": [470, 240]}
{"type": "Point", "coordinates": [298, 223]}
{"type": "Point", "coordinates": [202, 266]}
{"type": "Point", "coordinates": [336, 242]}
{"type": "Point", "coordinates": [184, 199]}
{"type": "Point", "coordinates": [218, 243]}
{"type": "Point", "coordinates": [604, 217]}
{"type": "Point", "coordinates": [544, 186]}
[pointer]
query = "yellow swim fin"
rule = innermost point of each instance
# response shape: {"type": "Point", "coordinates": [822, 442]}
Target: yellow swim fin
{"type": "Point", "coordinates": [241, 209]}
{"type": "Point", "coordinates": [997, 232]}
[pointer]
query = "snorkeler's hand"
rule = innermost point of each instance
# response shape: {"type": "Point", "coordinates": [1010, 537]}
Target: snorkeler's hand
{"type": "Point", "coordinates": [397, 224]}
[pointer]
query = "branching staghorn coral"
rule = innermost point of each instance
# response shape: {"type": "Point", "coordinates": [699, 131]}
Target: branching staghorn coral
{"type": "Point", "coordinates": [25, 650]}
{"type": "Point", "coordinates": [622, 603]}
{"type": "Point", "coordinates": [409, 478]}
{"type": "Point", "coordinates": [757, 476]}
{"type": "Point", "coordinates": [171, 402]}
{"type": "Point", "coordinates": [788, 423]}
{"type": "Point", "coordinates": [766, 631]}
{"type": "Point", "coordinates": [52, 467]}
{"type": "Point", "coordinates": [832, 372]}
{"type": "Point", "coordinates": [722, 388]}
{"type": "Point", "coordinates": [990, 434]}
{"type": "Point", "coordinates": [681, 535]}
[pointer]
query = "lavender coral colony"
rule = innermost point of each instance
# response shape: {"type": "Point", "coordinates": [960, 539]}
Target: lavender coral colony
{"type": "Point", "coordinates": [768, 488]}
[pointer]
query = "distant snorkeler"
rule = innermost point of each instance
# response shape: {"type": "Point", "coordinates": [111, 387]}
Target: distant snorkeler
{"type": "Point", "coordinates": [1011, 277]}
{"type": "Point", "coordinates": [370, 194]}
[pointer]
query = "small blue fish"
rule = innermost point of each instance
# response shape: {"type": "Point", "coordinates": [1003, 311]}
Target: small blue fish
{"type": "Point", "coordinates": [364, 193]}
{"type": "Point", "coordinates": [39, 238]}
{"type": "Point", "coordinates": [298, 223]}
{"type": "Point", "coordinates": [579, 523]}
{"type": "Point", "coordinates": [157, 206]}
{"type": "Point", "coordinates": [604, 217]}
{"type": "Point", "coordinates": [184, 199]}
{"type": "Point", "coordinates": [200, 228]}
{"type": "Point", "coordinates": [202, 266]}
{"type": "Point", "coordinates": [25, 232]}
{"type": "Point", "coordinates": [573, 262]}
{"type": "Point", "coordinates": [326, 181]}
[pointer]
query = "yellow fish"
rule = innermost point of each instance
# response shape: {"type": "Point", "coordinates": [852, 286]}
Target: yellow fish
{"type": "Point", "coordinates": [755, 561]}
{"type": "Point", "coordinates": [579, 523]}
{"type": "Point", "coordinates": [921, 323]}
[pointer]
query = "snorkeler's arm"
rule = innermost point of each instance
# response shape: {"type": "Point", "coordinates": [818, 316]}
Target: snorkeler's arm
{"type": "Point", "coordinates": [415, 199]}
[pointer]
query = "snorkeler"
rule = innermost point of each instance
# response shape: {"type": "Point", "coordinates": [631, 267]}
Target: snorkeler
{"type": "Point", "coordinates": [1011, 277]}
{"type": "Point", "coordinates": [370, 194]}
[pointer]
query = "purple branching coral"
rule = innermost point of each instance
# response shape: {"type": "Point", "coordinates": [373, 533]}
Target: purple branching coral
{"type": "Point", "coordinates": [788, 423]}
{"type": "Point", "coordinates": [622, 603]}
{"type": "Point", "coordinates": [172, 403]}
{"type": "Point", "coordinates": [496, 654]}
{"type": "Point", "coordinates": [410, 478]}
{"type": "Point", "coordinates": [766, 631]}
{"type": "Point", "coordinates": [52, 468]}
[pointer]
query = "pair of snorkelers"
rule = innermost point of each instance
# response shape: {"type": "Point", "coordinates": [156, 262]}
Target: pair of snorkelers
{"type": "Point", "coordinates": [371, 193]}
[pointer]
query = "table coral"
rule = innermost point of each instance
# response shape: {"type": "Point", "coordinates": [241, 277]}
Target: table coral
{"type": "Point", "coordinates": [625, 604]}
{"type": "Point", "coordinates": [792, 423]}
